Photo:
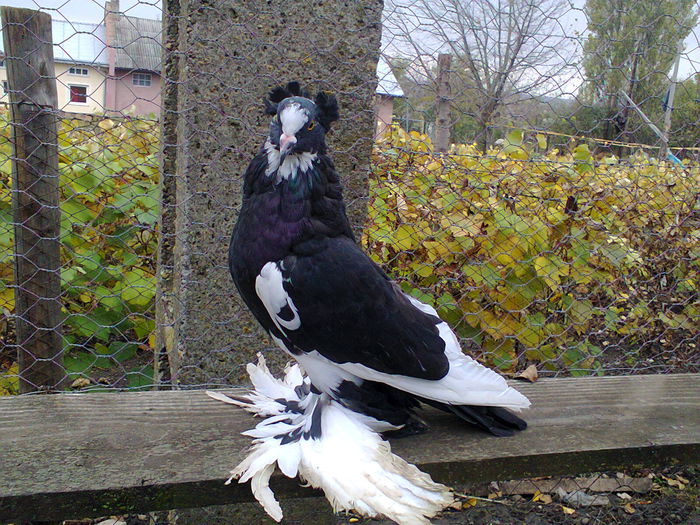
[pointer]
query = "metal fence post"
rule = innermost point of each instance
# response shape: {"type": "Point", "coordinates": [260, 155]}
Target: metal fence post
{"type": "Point", "coordinates": [35, 197]}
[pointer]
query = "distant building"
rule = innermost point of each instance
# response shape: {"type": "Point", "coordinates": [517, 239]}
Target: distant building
{"type": "Point", "coordinates": [387, 90]}
{"type": "Point", "coordinates": [80, 61]}
{"type": "Point", "coordinates": [135, 49]}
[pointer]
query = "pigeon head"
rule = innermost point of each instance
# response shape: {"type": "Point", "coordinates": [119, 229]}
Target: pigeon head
{"type": "Point", "coordinates": [299, 124]}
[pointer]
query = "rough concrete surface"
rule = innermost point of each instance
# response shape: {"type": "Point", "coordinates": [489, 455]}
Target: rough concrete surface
{"type": "Point", "coordinates": [231, 54]}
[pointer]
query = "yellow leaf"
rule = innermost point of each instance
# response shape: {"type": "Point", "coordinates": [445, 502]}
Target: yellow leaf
{"type": "Point", "coordinates": [7, 299]}
{"type": "Point", "coordinates": [541, 141]}
{"type": "Point", "coordinates": [567, 510]}
{"type": "Point", "coordinates": [9, 381]}
{"type": "Point", "coordinates": [405, 237]}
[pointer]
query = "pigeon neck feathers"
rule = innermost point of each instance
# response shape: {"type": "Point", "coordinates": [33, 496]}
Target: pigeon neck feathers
{"type": "Point", "coordinates": [293, 166]}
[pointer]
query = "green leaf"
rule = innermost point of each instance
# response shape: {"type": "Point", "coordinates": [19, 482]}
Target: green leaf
{"type": "Point", "coordinates": [85, 326]}
{"type": "Point", "coordinates": [138, 288]}
{"type": "Point", "coordinates": [122, 351]}
{"type": "Point", "coordinates": [78, 363]}
{"type": "Point", "coordinates": [140, 378]}
{"type": "Point", "coordinates": [143, 326]}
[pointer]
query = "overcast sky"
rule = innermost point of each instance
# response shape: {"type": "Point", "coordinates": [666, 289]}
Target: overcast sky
{"type": "Point", "coordinates": [88, 10]}
{"type": "Point", "coordinates": [93, 11]}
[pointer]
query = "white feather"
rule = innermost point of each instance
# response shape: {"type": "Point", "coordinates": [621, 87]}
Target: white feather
{"type": "Point", "coordinates": [293, 117]}
{"type": "Point", "coordinates": [270, 290]}
{"type": "Point", "coordinates": [260, 486]}
{"type": "Point", "coordinates": [349, 461]}
{"type": "Point", "coordinates": [220, 396]}
{"type": "Point", "coordinates": [293, 164]}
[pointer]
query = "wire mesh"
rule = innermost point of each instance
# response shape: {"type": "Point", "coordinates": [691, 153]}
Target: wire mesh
{"type": "Point", "coordinates": [540, 188]}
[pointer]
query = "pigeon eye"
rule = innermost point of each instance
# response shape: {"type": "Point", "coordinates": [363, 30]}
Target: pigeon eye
{"type": "Point", "coordinates": [311, 125]}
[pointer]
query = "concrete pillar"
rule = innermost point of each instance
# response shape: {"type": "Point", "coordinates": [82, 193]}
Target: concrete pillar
{"type": "Point", "coordinates": [231, 53]}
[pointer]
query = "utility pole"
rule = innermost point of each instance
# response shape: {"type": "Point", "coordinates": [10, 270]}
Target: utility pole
{"type": "Point", "coordinates": [672, 95]}
{"type": "Point", "coordinates": [648, 122]}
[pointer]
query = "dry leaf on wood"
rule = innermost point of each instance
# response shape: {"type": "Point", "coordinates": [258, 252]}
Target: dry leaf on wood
{"type": "Point", "coordinates": [529, 374]}
{"type": "Point", "coordinates": [81, 382]}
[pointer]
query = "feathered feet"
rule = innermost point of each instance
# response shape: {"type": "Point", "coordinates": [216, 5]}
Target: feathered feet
{"type": "Point", "coordinates": [329, 447]}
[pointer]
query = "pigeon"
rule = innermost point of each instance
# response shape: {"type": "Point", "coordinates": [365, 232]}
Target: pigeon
{"type": "Point", "coordinates": [366, 355]}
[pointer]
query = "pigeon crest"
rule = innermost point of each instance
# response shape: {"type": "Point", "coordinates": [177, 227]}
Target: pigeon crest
{"type": "Point", "coordinates": [326, 103]}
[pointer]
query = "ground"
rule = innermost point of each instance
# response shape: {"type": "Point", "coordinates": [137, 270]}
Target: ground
{"type": "Point", "coordinates": [669, 502]}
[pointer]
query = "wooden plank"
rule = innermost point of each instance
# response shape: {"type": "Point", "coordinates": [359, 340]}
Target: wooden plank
{"type": "Point", "coordinates": [103, 453]}
{"type": "Point", "coordinates": [36, 213]}
{"type": "Point", "coordinates": [443, 122]}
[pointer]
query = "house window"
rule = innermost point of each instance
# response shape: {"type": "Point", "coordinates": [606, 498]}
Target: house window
{"type": "Point", "coordinates": [80, 71]}
{"type": "Point", "coordinates": [78, 94]}
{"type": "Point", "coordinates": [2, 62]}
{"type": "Point", "coordinates": [5, 88]}
{"type": "Point", "coordinates": [141, 79]}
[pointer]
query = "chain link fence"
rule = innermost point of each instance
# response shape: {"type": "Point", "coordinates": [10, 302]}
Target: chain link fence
{"type": "Point", "coordinates": [534, 175]}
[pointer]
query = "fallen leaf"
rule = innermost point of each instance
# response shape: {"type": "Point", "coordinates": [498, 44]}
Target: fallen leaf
{"type": "Point", "coordinates": [673, 483]}
{"type": "Point", "coordinates": [579, 498]}
{"type": "Point", "coordinates": [682, 479]}
{"type": "Point", "coordinates": [536, 496]}
{"type": "Point", "coordinates": [81, 382]}
{"type": "Point", "coordinates": [629, 509]}
{"type": "Point", "coordinates": [624, 495]}
{"type": "Point", "coordinates": [455, 505]}
{"type": "Point", "coordinates": [546, 499]}
{"type": "Point", "coordinates": [567, 510]}
{"type": "Point", "coordinates": [529, 374]}
{"type": "Point", "coordinates": [471, 502]}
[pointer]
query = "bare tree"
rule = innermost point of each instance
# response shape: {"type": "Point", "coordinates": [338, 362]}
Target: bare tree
{"type": "Point", "coordinates": [502, 49]}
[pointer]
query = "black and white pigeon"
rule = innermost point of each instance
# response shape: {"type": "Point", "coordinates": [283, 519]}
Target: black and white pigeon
{"type": "Point", "coordinates": [368, 355]}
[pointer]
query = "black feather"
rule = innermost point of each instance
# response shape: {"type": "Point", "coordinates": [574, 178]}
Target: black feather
{"type": "Point", "coordinates": [496, 420]}
{"type": "Point", "coordinates": [327, 109]}
{"type": "Point", "coordinates": [278, 94]}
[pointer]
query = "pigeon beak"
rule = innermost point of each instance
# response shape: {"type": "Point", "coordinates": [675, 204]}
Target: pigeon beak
{"type": "Point", "coordinates": [287, 142]}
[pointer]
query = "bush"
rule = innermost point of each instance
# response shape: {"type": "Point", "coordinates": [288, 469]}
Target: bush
{"type": "Point", "coordinates": [554, 257]}
{"type": "Point", "coordinates": [109, 203]}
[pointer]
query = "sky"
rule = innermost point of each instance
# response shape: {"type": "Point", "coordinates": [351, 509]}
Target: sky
{"type": "Point", "coordinates": [93, 11]}
{"type": "Point", "coordinates": [88, 10]}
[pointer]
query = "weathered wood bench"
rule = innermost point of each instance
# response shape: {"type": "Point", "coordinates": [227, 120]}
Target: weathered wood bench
{"type": "Point", "coordinates": [77, 455]}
